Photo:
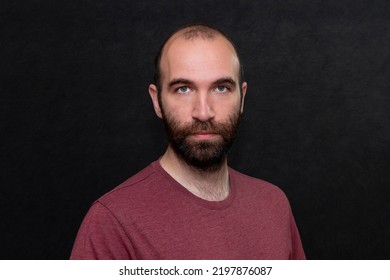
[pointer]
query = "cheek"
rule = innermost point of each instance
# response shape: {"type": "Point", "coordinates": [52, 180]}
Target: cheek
{"type": "Point", "coordinates": [224, 109]}
{"type": "Point", "coordinates": [176, 106]}
{"type": "Point", "coordinates": [176, 112]}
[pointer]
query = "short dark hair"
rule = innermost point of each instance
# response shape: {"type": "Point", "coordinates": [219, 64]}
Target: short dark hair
{"type": "Point", "coordinates": [194, 30]}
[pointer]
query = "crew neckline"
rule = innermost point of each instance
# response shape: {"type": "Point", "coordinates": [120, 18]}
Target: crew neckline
{"type": "Point", "coordinates": [213, 205]}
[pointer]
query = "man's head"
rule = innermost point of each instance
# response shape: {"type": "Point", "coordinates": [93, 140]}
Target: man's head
{"type": "Point", "coordinates": [199, 94]}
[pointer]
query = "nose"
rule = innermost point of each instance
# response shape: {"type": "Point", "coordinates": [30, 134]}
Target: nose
{"type": "Point", "coordinates": [202, 107]}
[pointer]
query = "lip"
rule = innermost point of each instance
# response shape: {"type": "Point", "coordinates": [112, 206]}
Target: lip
{"type": "Point", "coordinates": [204, 135]}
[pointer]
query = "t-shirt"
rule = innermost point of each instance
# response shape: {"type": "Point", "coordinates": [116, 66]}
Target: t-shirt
{"type": "Point", "coordinates": [152, 216]}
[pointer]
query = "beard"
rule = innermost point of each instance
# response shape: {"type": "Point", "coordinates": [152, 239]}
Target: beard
{"type": "Point", "coordinates": [205, 155]}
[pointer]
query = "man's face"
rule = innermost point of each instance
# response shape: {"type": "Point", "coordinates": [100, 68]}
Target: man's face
{"type": "Point", "coordinates": [200, 100]}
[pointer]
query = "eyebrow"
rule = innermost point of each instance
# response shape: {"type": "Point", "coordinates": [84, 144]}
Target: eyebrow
{"type": "Point", "coordinates": [175, 82]}
{"type": "Point", "coordinates": [224, 80]}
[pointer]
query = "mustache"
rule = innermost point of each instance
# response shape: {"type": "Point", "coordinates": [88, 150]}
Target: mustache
{"type": "Point", "coordinates": [197, 125]}
{"type": "Point", "coordinates": [225, 129]}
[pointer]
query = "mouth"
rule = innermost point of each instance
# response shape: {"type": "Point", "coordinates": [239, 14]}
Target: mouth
{"type": "Point", "coordinates": [204, 135]}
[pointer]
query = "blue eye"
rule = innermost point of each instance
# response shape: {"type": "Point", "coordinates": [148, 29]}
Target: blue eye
{"type": "Point", "coordinates": [222, 89]}
{"type": "Point", "coordinates": [183, 89]}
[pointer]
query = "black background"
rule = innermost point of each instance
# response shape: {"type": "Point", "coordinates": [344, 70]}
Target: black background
{"type": "Point", "coordinates": [76, 118]}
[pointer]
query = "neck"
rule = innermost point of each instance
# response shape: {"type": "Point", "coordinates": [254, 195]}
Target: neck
{"type": "Point", "coordinates": [209, 185]}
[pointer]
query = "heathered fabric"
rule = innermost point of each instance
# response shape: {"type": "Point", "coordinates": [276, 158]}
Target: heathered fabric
{"type": "Point", "coordinates": [151, 216]}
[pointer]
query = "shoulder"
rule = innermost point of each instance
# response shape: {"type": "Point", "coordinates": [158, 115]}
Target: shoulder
{"type": "Point", "coordinates": [257, 187]}
{"type": "Point", "coordinates": [134, 189]}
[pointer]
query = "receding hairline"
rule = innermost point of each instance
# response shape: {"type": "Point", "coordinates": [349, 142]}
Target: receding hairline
{"type": "Point", "coordinates": [197, 31]}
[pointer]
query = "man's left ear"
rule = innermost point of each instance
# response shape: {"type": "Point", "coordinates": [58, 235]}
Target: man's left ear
{"type": "Point", "coordinates": [244, 87]}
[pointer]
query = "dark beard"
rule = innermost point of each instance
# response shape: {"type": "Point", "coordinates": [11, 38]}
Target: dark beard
{"type": "Point", "coordinates": [205, 155]}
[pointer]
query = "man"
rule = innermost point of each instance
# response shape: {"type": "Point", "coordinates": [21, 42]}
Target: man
{"type": "Point", "coordinates": [190, 204]}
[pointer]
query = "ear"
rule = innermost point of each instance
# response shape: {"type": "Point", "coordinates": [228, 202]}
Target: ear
{"type": "Point", "coordinates": [154, 95]}
{"type": "Point", "coordinates": [243, 90]}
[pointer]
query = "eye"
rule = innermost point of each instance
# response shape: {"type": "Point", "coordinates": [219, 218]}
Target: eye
{"type": "Point", "coordinates": [221, 89]}
{"type": "Point", "coordinates": [183, 89]}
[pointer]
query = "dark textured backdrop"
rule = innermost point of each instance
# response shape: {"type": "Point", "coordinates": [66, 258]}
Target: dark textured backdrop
{"type": "Point", "coordinates": [76, 119]}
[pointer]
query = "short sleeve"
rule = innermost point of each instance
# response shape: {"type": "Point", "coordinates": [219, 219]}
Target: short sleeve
{"type": "Point", "coordinates": [297, 252]}
{"type": "Point", "coordinates": [101, 236]}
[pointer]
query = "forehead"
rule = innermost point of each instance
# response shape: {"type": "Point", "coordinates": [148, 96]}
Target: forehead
{"type": "Point", "coordinates": [197, 56]}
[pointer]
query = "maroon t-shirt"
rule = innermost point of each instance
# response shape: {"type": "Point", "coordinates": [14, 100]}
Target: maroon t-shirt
{"type": "Point", "coordinates": [152, 216]}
